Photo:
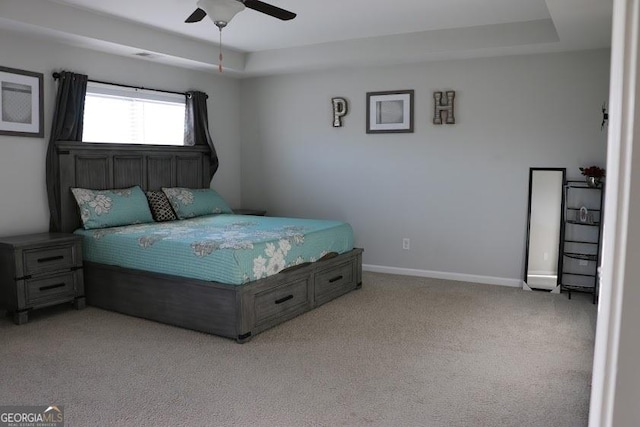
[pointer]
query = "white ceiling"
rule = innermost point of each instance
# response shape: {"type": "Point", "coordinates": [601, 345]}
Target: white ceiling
{"type": "Point", "coordinates": [321, 21]}
{"type": "Point", "coordinates": [325, 34]}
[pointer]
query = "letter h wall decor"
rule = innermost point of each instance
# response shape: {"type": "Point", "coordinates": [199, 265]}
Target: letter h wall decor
{"type": "Point", "coordinates": [445, 106]}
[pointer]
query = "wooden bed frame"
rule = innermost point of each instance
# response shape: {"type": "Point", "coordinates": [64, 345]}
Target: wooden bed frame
{"type": "Point", "coordinates": [233, 311]}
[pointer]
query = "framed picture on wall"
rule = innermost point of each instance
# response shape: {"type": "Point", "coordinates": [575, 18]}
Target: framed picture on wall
{"type": "Point", "coordinates": [21, 103]}
{"type": "Point", "coordinates": [390, 112]}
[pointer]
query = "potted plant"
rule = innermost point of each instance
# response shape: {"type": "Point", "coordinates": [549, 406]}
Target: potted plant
{"type": "Point", "coordinates": [593, 175]}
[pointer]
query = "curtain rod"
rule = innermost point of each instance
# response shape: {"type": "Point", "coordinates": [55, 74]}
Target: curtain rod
{"type": "Point", "coordinates": [56, 76]}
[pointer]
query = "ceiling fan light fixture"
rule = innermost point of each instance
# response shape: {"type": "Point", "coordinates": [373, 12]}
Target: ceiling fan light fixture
{"type": "Point", "coordinates": [221, 12]}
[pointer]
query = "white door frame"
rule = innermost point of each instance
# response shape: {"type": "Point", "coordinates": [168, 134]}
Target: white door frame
{"type": "Point", "coordinates": [613, 380]}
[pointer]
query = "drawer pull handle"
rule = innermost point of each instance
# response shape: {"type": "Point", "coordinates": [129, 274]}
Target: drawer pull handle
{"type": "Point", "coordinates": [281, 300]}
{"type": "Point", "coordinates": [46, 288]}
{"type": "Point", "coordinates": [335, 279]}
{"type": "Point", "coordinates": [51, 258]}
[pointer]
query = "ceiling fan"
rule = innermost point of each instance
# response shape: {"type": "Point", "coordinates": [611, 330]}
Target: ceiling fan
{"type": "Point", "coordinates": [222, 11]}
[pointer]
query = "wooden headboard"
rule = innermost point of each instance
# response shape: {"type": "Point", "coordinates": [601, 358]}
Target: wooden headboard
{"type": "Point", "coordinates": [105, 166]}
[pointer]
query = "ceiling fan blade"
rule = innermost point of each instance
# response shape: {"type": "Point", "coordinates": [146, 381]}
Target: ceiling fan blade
{"type": "Point", "coordinates": [196, 16]}
{"type": "Point", "coordinates": [269, 9]}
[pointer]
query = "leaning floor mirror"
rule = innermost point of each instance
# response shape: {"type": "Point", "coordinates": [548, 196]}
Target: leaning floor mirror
{"type": "Point", "coordinates": [543, 260]}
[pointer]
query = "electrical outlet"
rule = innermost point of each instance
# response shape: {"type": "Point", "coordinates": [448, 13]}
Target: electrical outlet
{"type": "Point", "coordinates": [406, 244]}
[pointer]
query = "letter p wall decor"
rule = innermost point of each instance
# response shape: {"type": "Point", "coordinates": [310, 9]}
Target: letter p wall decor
{"type": "Point", "coordinates": [445, 106]}
{"type": "Point", "coordinates": [340, 109]}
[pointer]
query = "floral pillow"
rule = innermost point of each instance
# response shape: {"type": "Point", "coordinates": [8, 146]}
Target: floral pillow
{"type": "Point", "coordinates": [111, 208]}
{"type": "Point", "coordinates": [189, 203]}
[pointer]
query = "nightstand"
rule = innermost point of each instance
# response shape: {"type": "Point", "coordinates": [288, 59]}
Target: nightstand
{"type": "Point", "coordinates": [39, 270]}
{"type": "Point", "coordinates": [256, 212]}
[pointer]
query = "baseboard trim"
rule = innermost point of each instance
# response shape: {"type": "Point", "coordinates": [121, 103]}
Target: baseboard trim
{"type": "Point", "coordinates": [472, 278]}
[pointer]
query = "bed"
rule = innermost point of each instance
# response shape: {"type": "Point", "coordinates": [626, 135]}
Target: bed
{"type": "Point", "coordinates": [237, 305]}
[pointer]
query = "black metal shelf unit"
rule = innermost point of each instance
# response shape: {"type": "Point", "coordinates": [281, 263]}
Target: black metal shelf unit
{"type": "Point", "coordinates": [582, 234]}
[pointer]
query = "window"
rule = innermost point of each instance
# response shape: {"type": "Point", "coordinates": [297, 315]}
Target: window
{"type": "Point", "coordinates": [132, 116]}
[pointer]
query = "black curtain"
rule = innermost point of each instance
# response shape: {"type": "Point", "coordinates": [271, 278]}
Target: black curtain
{"type": "Point", "coordinates": [66, 126]}
{"type": "Point", "coordinates": [196, 131]}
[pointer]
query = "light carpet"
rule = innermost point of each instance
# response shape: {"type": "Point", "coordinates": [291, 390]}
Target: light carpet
{"type": "Point", "coordinates": [401, 351]}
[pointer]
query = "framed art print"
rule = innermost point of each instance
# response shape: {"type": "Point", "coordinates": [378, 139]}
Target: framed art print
{"type": "Point", "coordinates": [390, 112]}
{"type": "Point", "coordinates": [21, 103]}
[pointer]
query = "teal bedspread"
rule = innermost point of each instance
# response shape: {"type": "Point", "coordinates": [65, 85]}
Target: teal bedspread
{"type": "Point", "coordinates": [232, 249]}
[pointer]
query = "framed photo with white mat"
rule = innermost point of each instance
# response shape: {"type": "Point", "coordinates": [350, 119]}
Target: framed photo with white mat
{"type": "Point", "coordinates": [21, 103]}
{"type": "Point", "coordinates": [390, 112]}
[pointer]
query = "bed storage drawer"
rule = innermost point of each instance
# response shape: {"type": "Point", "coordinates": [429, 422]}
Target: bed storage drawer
{"type": "Point", "coordinates": [281, 301]}
{"type": "Point", "coordinates": [46, 259]}
{"type": "Point", "coordinates": [333, 282]}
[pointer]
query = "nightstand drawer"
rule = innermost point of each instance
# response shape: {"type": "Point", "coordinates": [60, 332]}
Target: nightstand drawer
{"type": "Point", "coordinates": [281, 301]}
{"type": "Point", "coordinates": [51, 287]}
{"type": "Point", "coordinates": [334, 282]}
{"type": "Point", "coordinates": [48, 259]}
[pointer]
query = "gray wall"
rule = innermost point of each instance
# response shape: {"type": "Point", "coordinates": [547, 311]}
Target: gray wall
{"type": "Point", "coordinates": [458, 192]}
{"type": "Point", "coordinates": [22, 160]}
